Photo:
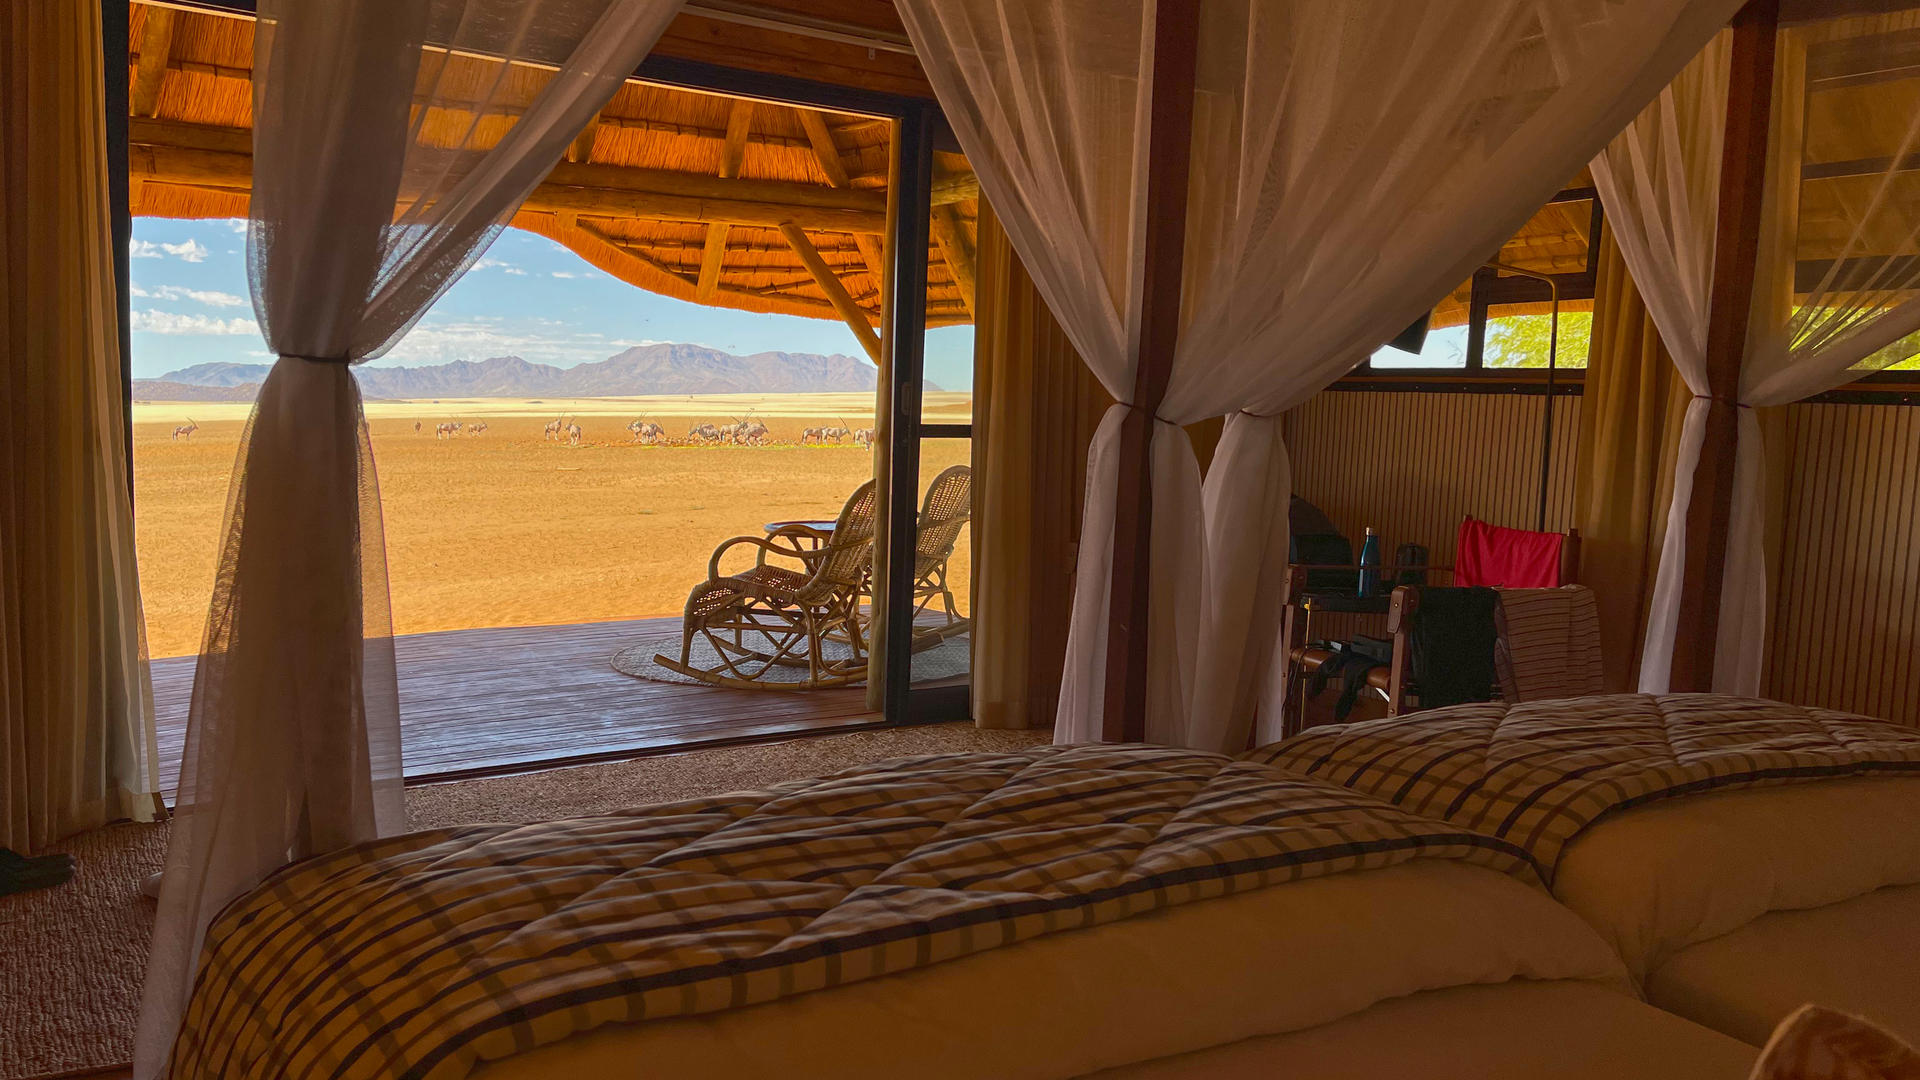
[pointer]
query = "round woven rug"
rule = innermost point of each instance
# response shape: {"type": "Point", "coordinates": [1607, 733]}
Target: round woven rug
{"type": "Point", "coordinates": [950, 658]}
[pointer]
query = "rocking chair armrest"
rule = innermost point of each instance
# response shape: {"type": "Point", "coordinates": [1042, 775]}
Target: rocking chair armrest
{"type": "Point", "coordinates": [765, 546]}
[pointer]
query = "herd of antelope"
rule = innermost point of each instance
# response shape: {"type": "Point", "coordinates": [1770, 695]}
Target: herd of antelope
{"type": "Point", "coordinates": [743, 431]}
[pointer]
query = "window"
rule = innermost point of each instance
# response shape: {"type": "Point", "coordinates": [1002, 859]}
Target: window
{"type": "Point", "coordinates": [1501, 319]}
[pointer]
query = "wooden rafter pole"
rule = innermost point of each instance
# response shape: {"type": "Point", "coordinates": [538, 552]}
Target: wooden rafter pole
{"type": "Point", "coordinates": [1736, 247]}
{"type": "Point", "coordinates": [581, 148]}
{"type": "Point", "coordinates": [733, 151]}
{"type": "Point", "coordinates": [1154, 327]}
{"type": "Point", "coordinates": [951, 235]}
{"type": "Point", "coordinates": [826, 151]}
{"type": "Point", "coordinates": [156, 44]}
{"type": "Point", "coordinates": [843, 302]}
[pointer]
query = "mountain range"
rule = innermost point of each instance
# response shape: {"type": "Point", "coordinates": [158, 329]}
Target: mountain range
{"type": "Point", "coordinates": [658, 368]}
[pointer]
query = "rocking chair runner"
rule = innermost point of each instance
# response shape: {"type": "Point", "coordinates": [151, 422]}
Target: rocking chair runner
{"type": "Point", "coordinates": [771, 616]}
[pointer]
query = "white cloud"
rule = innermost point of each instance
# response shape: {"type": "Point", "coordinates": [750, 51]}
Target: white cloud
{"type": "Point", "coordinates": [502, 265]}
{"type": "Point", "coordinates": [540, 340]}
{"type": "Point", "coordinates": [154, 321]}
{"type": "Point", "coordinates": [209, 297]}
{"type": "Point", "coordinates": [567, 274]}
{"type": "Point", "coordinates": [189, 250]}
{"type": "Point", "coordinates": [238, 225]}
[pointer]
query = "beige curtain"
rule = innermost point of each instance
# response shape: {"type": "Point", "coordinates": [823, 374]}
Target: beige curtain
{"type": "Point", "coordinates": [1629, 435]}
{"type": "Point", "coordinates": [76, 709]}
{"type": "Point", "coordinates": [1035, 408]}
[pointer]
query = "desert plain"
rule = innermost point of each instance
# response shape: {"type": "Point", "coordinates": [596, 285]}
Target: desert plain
{"type": "Point", "coordinates": [508, 528]}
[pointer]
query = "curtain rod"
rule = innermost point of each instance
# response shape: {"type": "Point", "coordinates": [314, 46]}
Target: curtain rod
{"type": "Point", "coordinates": [768, 17]}
{"type": "Point", "coordinates": [740, 12]}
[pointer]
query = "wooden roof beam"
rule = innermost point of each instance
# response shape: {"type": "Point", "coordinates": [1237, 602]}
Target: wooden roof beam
{"type": "Point", "coordinates": [169, 152]}
{"type": "Point", "coordinates": [850, 311]}
{"type": "Point", "coordinates": [156, 45]}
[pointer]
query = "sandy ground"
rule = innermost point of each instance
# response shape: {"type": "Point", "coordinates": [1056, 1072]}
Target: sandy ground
{"type": "Point", "coordinates": [508, 529]}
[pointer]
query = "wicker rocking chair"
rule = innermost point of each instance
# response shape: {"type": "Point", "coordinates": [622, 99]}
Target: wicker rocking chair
{"type": "Point", "coordinates": [944, 513]}
{"type": "Point", "coordinates": [771, 617]}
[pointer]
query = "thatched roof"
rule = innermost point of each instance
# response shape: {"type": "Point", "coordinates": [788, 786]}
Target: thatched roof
{"type": "Point", "coordinates": [749, 205]}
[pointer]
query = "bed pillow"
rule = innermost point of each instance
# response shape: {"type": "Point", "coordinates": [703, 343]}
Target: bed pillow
{"type": "Point", "coordinates": [1818, 1043]}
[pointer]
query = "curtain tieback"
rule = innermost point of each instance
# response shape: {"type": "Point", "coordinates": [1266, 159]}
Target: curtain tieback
{"type": "Point", "coordinates": [1155, 417]}
{"type": "Point", "coordinates": [1735, 402]}
{"type": "Point", "coordinates": [318, 359]}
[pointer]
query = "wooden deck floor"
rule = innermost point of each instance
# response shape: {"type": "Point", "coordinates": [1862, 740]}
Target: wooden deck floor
{"type": "Point", "coordinates": [477, 701]}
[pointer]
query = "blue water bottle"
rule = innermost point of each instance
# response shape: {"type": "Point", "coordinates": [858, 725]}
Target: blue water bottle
{"type": "Point", "coordinates": [1370, 564]}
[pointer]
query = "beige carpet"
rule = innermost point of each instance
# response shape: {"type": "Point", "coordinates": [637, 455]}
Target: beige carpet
{"type": "Point", "coordinates": [71, 958]}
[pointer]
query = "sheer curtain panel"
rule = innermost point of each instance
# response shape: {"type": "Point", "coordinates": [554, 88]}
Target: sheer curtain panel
{"type": "Point", "coordinates": [391, 142]}
{"type": "Point", "coordinates": [1837, 293]}
{"type": "Point", "coordinates": [1350, 164]}
{"type": "Point", "coordinates": [76, 709]}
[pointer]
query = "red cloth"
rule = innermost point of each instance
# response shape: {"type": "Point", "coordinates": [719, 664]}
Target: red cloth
{"type": "Point", "coordinates": [1505, 558]}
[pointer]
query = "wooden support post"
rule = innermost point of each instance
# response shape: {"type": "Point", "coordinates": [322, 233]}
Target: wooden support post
{"type": "Point", "coordinates": [951, 234]}
{"type": "Point", "coordinates": [829, 282]}
{"type": "Point", "coordinates": [1736, 247]}
{"type": "Point", "coordinates": [1154, 322]}
{"type": "Point", "coordinates": [156, 42]}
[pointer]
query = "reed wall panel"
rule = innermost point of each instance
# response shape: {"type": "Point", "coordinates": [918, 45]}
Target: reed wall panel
{"type": "Point", "coordinates": [1413, 465]}
{"type": "Point", "coordinates": [1845, 622]}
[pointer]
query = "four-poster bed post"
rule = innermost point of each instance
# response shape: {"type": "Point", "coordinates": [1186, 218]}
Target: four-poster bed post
{"type": "Point", "coordinates": [1153, 328]}
{"type": "Point", "coordinates": [1736, 248]}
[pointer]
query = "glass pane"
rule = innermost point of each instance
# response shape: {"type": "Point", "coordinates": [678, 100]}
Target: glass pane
{"type": "Point", "coordinates": [1553, 241]}
{"type": "Point", "coordinates": [1445, 347]}
{"type": "Point", "coordinates": [1520, 335]}
{"type": "Point", "coordinates": [943, 588]}
{"type": "Point", "coordinates": [952, 243]}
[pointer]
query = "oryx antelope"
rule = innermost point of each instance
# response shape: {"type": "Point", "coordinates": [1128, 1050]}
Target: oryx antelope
{"type": "Point", "coordinates": [837, 434]}
{"type": "Point", "coordinates": [555, 429]}
{"type": "Point", "coordinates": [646, 431]}
{"type": "Point", "coordinates": [863, 437]}
{"type": "Point", "coordinates": [186, 430]}
{"type": "Point", "coordinates": [706, 433]}
{"type": "Point", "coordinates": [478, 428]}
{"type": "Point", "coordinates": [446, 429]}
{"type": "Point", "coordinates": [749, 432]}
{"type": "Point", "coordinates": [416, 427]}
{"type": "Point", "coordinates": [813, 435]}
{"type": "Point", "coordinates": [573, 434]}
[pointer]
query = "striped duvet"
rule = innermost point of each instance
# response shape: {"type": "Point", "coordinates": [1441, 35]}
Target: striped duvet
{"type": "Point", "coordinates": [428, 954]}
{"type": "Point", "coordinates": [1539, 773]}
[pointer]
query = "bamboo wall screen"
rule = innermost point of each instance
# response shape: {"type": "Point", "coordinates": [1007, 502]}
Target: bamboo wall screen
{"type": "Point", "coordinates": [1846, 613]}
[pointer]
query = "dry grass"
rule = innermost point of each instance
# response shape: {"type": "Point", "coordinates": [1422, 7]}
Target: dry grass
{"type": "Point", "coordinates": [508, 529]}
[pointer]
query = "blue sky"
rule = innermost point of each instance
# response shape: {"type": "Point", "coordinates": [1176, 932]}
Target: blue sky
{"type": "Point", "coordinates": [527, 297]}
